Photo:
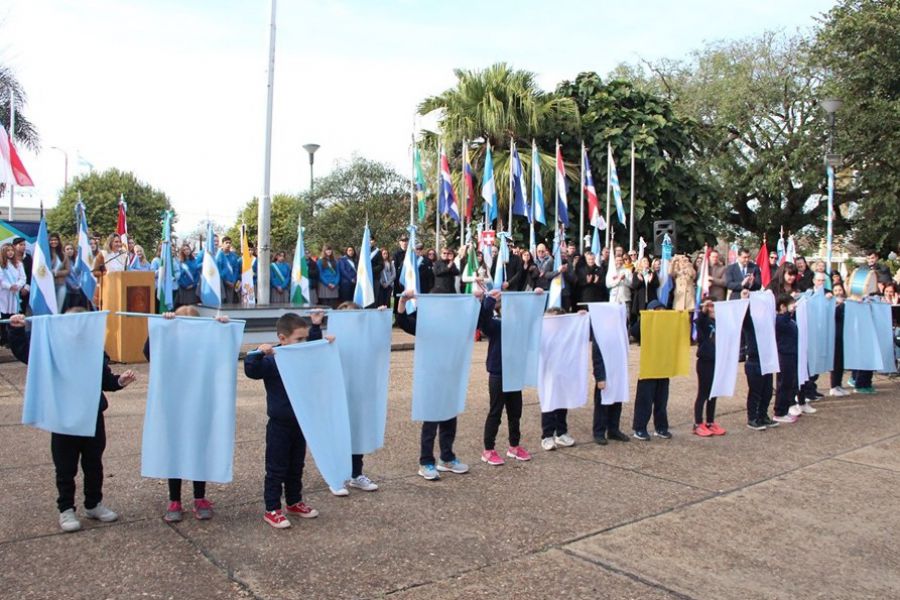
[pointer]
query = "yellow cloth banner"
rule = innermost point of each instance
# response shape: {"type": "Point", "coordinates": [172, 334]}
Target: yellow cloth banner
{"type": "Point", "coordinates": [665, 344]}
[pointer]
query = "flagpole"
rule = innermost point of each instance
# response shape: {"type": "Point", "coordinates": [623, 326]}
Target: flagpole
{"type": "Point", "coordinates": [631, 214]}
{"type": "Point", "coordinates": [556, 191]}
{"type": "Point", "coordinates": [509, 225]}
{"type": "Point", "coordinates": [412, 179]}
{"type": "Point", "coordinates": [265, 204]}
{"type": "Point", "coordinates": [581, 209]}
{"type": "Point", "coordinates": [465, 188]}
{"type": "Point", "coordinates": [12, 129]}
{"type": "Point", "coordinates": [437, 207]}
{"type": "Point", "coordinates": [609, 224]}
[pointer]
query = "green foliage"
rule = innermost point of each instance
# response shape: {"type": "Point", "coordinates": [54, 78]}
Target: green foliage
{"type": "Point", "coordinates": [100, 194]}
{"type": "Point", "coordinates": [25, 132]}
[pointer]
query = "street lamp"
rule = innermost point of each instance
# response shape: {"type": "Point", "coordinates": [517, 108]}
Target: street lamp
{"type": "Point", "coordinates": [311, 149]}
{"type": "Point", "coordinates": [65, 167]}
{"type": "Point", "coordinates": [832, 161]}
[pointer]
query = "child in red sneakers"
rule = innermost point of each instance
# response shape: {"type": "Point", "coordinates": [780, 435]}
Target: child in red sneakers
{"type": "Point", "coordinates": [285, 444]}
{"type": "Point", "coordinates": [706, 366]}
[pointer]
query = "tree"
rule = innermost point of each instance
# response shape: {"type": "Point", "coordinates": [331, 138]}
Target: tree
{"type": "Point", "coordinates": [100, 194]}
{"type": "Point", "coordinates": [283, 222]}
{"type": "Point", "coordinates": [25, 132]}
{"type": "Point", "coordinates": [858, 48]}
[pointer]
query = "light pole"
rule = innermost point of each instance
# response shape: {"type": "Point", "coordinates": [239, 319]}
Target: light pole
{"type": "Point", "coordinates": [311, 149]}
{"type": "Point", "coordinates": [65, 167]}
{"type": "Point", "coordinates": [832, 161]}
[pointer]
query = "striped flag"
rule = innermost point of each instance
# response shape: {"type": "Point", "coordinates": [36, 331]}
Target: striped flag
{"type": "Point", "coordinates": [468, 183]}
{"type": "Point", "coordinates": [421, 189]}
{"type": "Point", "coordinates": [666, 281]}
{"type": "Point", "coordinates": [364, 294]}
{"type": "Point", "coordinates": [122, 223]}
{"type": "Point", "coordinates": [537, 187]}
{"type": "Point", "coordinates": [562, 201]}
{"type": "Point", "coordinates": [409, 270]}
{"type": "Point", "coordinates": [42, 299]}
{"type": "Point", "coordinates": [12, 171]}
{"type": "Point", "coordinates": [614, 184]}
{"type": "Point", "coordinates": [594, 215]}
{"type": "Point", "coordinates": [85, 258]}
{"type": "Point", "coordinates": [446, 197]}
{"type": "Point", "coordinates": [517, 179]}
{"type": "Point", "coordinates": [489, 187]}
{"type": "Point", "coordinates": [248, 291]}
{"type": "Point", "coordinates": [164, 292]}
{"type": "Point", "coordinates": [300, 270]}
{"type": "Point", "coordinates": [210, 280]}
{"type": "Point", "coordinates": [554, 297]}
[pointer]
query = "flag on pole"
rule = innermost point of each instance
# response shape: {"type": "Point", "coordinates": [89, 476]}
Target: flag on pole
{"type": "Point", "coordinates": [791, 253]}
{"type": "Point", "coordinates": [666, 281]}
{"type": "Point", "coordinates": [489, 187]}
{"type": "Point", "coordinates": [421, 189]}
{"type": "Point", "coordinates": [84, 259]}
{"type": "Point", "coordinates": [562, 202]}
{"type": "Point", "coordinates": [12, 171]}
{"type": "Point", "coordinates": [502, 259]}
{"type": "Point", "coordinates": [702, 289]}
{"type": "Point", "coordinates": [364, 294]}
{"type": "Point", "coordinates": [248, 291]}
{"type": "Point", "coordinates": [517, 176]}
{"type": "Point", "coordinates": [42, 299]}
{"type": "Point", "coordinates": [780, 248]}
{"type": "Point", "coordinates": [164, 300]}
{"type": "Point", "coordinates": [409, 270]}
{"type": "Point", "coordinates": [446, 197]}
{"type": "Point", "coordinates": [554, 298]}
{"type": "Point", "coordinates": [762, 261]}
{"type": "Point", "coordinates": [122, 223]}
{"type": "Point", "coordinates": [595, 242]}
{"type": "Point", "coordinates": [642, 245]}
{"type": "Point", "coordinates": [210, 281]}
{"type": "Point", "coordinates": [468, 183]}
{"type": "Point", "coordinates": [614, 183]}
{"type": "Point", "coordinates": [594, 215]}
{"type": "Point", "coordinates": [300, 270]}
{"type": "Point", "coordinates": [471, 269]}
{"type": "Point", "coordinates": [537, 188]}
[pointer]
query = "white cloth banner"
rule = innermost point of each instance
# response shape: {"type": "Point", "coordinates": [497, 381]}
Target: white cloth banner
{"type": "Point", "coordinates": [563, 364]}
{"type": "Point", "coordinates": [729, 322]}
{"type": "Point", "coordinates": [762, 313]}
{"type": "Point", "coordinates": [802, 319]}
{"type": "Point", "coordinates": [609, 323]}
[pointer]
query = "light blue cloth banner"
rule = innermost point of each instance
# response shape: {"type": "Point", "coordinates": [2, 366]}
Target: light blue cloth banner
{"type": "Point", "coordinates": [190, 416]}
{"type": "Point", "coordinates": [862, 350]}
{"type": "Point", "coordinates": [445, 335]}
{"type": "Point", "coordinates": [820, 332]}
{"type": "Point", "coordinates": [314, 381]}
{"type": "Point", "coordinates": [65, 368]}
{"type": "Point", "coordinates": [884, 332]}
{"type": "Point", "coordinates": [363, 339]}
{"type": "Point", "coordinates": [520, 338]}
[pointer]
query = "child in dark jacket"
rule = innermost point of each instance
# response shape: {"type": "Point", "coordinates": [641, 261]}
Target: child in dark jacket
{"type": "Point", "coordinates": [606, 416]}
{"type": "Point", "coordinates": [759, 386]}
{"type": "Point", "coordinates": [67, 450]}
{"type": "Point", "coordinates": [285, 444]}
{"type": "Point", "coordinates": [706, 366]}
{"type": "Point", "coordinates": [651, 395]}
{"type": "Point", "coordinates": [787, 336]}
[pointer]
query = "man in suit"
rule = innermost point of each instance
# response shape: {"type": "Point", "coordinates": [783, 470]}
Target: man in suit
{"type": "Point", "coordinates": [717, 290]}
{"type": "Point", "coordinates": [742, 275]}
{"type": "Point", "coordinates": [398, 257]}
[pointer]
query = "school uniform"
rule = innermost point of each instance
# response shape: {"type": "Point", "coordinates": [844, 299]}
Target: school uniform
{"type": "Point", "coordinates": [606, 416]}
{"type": "Point", "coordinates": [280, 283]}
{"type": "Point", "coordinates": [188, 280]}
{"type": "Point", "coordinates": [285, 443]}
{"type": "Point", "coordinates": [787, 337]}
{"type": "Point", "coordinates": [651, 397]}
{"type": "Point", "coordinates": [69, 450]}
{"type": "Point", "coordinates": [347, 285]}
{"type": "Point", "coordinates": [706, 366]}
{"type": "Point", "coordinates": [328, 275]}
{"type": "Point", "coordinates": [10, 301]}
{"type": "Point", "coordinates": [229, 264]}
{"type": "Point", "coordinates": [759, 386]}
{"type": "Point", "coordinates": [511, 401]}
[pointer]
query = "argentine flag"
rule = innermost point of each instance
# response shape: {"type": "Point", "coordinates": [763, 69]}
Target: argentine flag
{"type": "Point", "coordinates": [595, 242]}
{"type": "Point", "coordinates": [43, 291]}
{"type": "Point", "coordinates": [210, 281]}
{"type": "Point", "coordinates": [537, 188]}
{"type": "Point", "coordinates": [364, 294]}
{"type": "Point", "coordinates": [554, 299]}
{"type": "Point", "coordinates": [489, 188]}
{"type": "Point", "coordinates": [165, 302]}
{"type": "Point", "coordinates": [83, 262]}
{"type": "Point", "coordinates": [614, 184]}
{"type": "Point", "coordinates": [409, 271]}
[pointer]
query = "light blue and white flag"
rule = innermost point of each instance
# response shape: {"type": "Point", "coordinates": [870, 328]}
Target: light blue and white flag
{"type": "Point", "coordinates": [537, 188]}
{"type": "Point", "coordinates": [609, 322]}
{"type": "Point", "coordinates": [884, 332]}
{"type": "Point", "coordinates": [364, 294]}
{"type": "Point", "coordinates": [614, 184]}
{"type": "Point", "coordinates": [520, 338]}
{"type": "Point", "coordinates": [42, 299]}
{"type": "Point", "coordinates": [314, 381]}
{"type": "Point", "coordinates": [862, 350]}
{"type": "Point", "coordinates": [363, 339]}
{"type": "Point", "coordinates": [164, 291]}
{"type": "Point", "coordinates": [820, 331]}
{"type": "Point", "coordinates": [445, 333]}
{"type": "Point", "coordinates": [762, 314]}
{"type": "Point", "coordinates": [502, 260]}
{"type": "Point", "coordinates": [556, 284]}
{"type": "Point", "coordinates": [409, 270]}
{"type": "Point", "coordinates": [596, 247]}
{"type": "Point", "coordinates": [666, 282]}
{"type": "Point", "coordinates": [489, 187]}
{"type": "Point", "coordinates": [563, 366]}
{"type": "Point", "coordinates": [65, 366]}
{"type": "Point", "coordinates": [190, 417]}
{"type": "Point", "coordinates": [210, 280]}
{"type": "Point", "coordinates": [84, 263]}
{"type": "Point", "coordinates": [728, 325]}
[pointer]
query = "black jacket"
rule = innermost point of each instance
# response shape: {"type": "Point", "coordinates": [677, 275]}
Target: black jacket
{"type": "Point", "coordinates": [490, 326]}
{"type": "Point", "coordinates": [426, 275]}
{"type": "Point", "coordinates": [515, 273]}
{"type": "Point", "coordinates": [786, 335]}
{"type": "Point", "coordinates": [706, 337]}
{"type": "Point", "coordinates": [595, 291]}
{"type": "Point", "coordinates": [597, 360]}
{"type": "Point", "coordinates": [444, 275]}
{"type": "Point", "coordinates": [734, 280]}
{"type": "Point", "coordinates": [407, 322]}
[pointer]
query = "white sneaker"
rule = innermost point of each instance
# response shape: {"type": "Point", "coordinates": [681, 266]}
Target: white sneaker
{"type": "Point", "coordinates": [807, 409]}
{"type": "Point", "coordinates": [363, 483]}
{"type": "Point", "coordinates": [101, 513]}
{"type": "Point", "coordinates": [68, 522]}
{"type": "Point", "coordinates": [838, 391]}
{"type": "Point", "coordinates": [795, 410]}
{"type": "Point", "coordinates": [548, 443]}
{"type": "Point", "coordinates": [785, 419]}
{"type": "Point", "coordinates": [565, 440]}
{"type": "Point", "coordinates": [340, 491]}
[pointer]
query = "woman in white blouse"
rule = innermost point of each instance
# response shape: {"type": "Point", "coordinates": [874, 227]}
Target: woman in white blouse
{"type": "Point", "coordinates": [12, 278]}
{"type": "Point", "coordinates": [112, 258]}
{"type": "Point", "coordinates": [618, 280]}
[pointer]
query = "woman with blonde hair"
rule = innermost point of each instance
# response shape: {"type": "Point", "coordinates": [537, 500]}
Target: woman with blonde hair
{"type": "Point", "coordinates": [685, 279]}
{"type": "Point", "coordinates": [59, 264]}
{"type": "Point", "coordinates": [112, 258]}
{"type": "Point", "coordinates": [12, 278]}
{"type": "Point", "coordinates": [139, 262]}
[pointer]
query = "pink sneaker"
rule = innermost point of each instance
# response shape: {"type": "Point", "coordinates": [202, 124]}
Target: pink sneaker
{"type": "Point", "coordinates": [518, 453]}
{"type": "Point", "coordinates": [492, 458]}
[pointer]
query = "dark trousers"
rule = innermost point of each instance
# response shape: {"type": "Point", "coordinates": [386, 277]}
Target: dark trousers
{"type": "Point", "coordinates": [705, 370]}
{"type": "Point", "coordinates": [786, 387]}
{"type": "Point", "coordinates": [808, 389]}
{"type": "Point", "coordinates": [67, 450]}
{"type": "Point", "coordinates": [4, 329]}
{"type": "Point", "coordinates": [445, 431]}
{"type": "Point", "coordinates": [651, 397]}
{"type": "Point", "coordinates": [285, 456]}
{"type": "Point", "coordinates": [175, 490]}
{"type": "Point", "coordinates": [606, 416]}
{"type": "Point", "coordinates": [554, 422]}
{"type": "Point", "coordinates": [229, 294]}
{"type": "Point", "coordinates": [759, 391]}
{"type": "Point", "coordinates": [383, 296]}
{"type": "Point", "coordinates": [837, 371]}
{"type": "Point", "coordinates": [512, 401]}
{"type": "Point", "coordinates": [357, 460]}
{"type": "Point", "coordinates": [862, 379]}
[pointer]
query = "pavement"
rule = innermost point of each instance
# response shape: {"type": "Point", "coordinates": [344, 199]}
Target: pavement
{"type": "Point", "coordinates": [802, 511]}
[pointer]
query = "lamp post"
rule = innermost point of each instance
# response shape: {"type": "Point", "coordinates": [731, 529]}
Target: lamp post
{"type": "Point", "coordinates": [832, 161]}
{"type": "Point", "coordinates": [311, 149]}
{"type": "Point", "coordinates": [65, 167]}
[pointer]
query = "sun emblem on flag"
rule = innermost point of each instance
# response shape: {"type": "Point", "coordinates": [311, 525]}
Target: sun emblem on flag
{"type": "Point", "coordinates": [42, 271]}
{"type": "Point", "coordinates": [209, 271]}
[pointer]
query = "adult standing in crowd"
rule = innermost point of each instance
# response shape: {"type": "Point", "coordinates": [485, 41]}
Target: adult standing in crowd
{"type": "Point", "coordinates": [742, 275]}
{"type": "Point", "coordinates": [685, 278]}
{"type": "Point", "coordinates": [544, 263]}
{"type": "Point", "coordinates": [329, 277]}
{"type": "Point", "coordinates": [592, 281]}
{"type": "Point", "coordinates": [446, 272]}
{"type": "Point", "coordinates": [59, 264]}
{"type": "Point", "coordinates": [74, 295]}
{"type": "Point", "coordinates": [644, 286]}
{"type": "Point", "coordinates": [377, 264]}
{"type": "Point", "coordinates": [425, 265]}
{"type": "Point", "coordinates": [784, 281]}
{"type": "Point", "coordinates": [716, 277]}
{"type": "Point", "coordinates": [347, 270]}
{"type": "Point", "coordinates": [804, 274]}
{"type": "Point", "coordinates": [398, 256]}
{"type": "Point", "coordinates": [386, 280]}
{"type": "Point", "coordinates": [529, 271]}
{"type": "Point", "coordinates": [618, 280]}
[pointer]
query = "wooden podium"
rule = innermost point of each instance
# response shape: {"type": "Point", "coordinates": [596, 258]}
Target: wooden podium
{"type": "Point", "coordinates": [127, 291]}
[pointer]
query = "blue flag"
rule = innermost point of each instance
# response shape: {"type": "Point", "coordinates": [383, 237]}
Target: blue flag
{"type": "Point", "coordinates": [537, 188]}
{"type": "Point", "coordinates": [596, 247]}
{"type": "Point", "coordinates": [314, 382]}
{"type": "Point", "coordinates": [409, 270]}
{"type": "Point", "coordinates": [666, 282]}
{"type": "Point", "coordinates": [520, 338]}
{"type": "Point", "coordinates": [614, 184]}
{"type": "Point", "coordinates": [65, 365]}
{"type": "Point", "coordinates": [445, 333]}
{"type": "Point", "coordinates": [363, 339]}
{"type": "Point", "coordinates": [884, 332]}
{"type": "Point", "coordinates": [517, 177]}
{"type": "Point", "coordinates": [862, 350]}
{"type": "Point", "coordinates": [364, 294]}
{"type": "Point", "coordinates": [210, 280]}
{"type": "Point", "coordinates": [190, 416]}
{"type": "Point", "coordinates": [164, 291]}
{"type": "Point", "coordinates": [42, 299]}
{"type": "Point", "coordinates": [489, 187]}
{"type": "Point", "coordinates": [84, 262]}
{"type": "Point", "coordinates": [820, 333]}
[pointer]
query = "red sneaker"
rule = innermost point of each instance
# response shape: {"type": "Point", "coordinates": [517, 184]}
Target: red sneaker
{"type": "Point", "coordinates": [715, 429]}
{"type": "Point", "coordinates": [702, 430]}
{"type": "Point", "coordinates": [518, 453]}
{"type": "Point", "coordinates": [301, 510]}
{"type": "Point", "coordinates": [276, 519]}
{"type": "Point", "coordinates": [203, 509]}
{"type": "Point", "coordinates": [492, 458]}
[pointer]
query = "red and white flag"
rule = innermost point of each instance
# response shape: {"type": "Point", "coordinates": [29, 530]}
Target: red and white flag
{"type": "Point", "coordinates": [122, 224]}
{"type": "Point", "coordinates": [12, 170]}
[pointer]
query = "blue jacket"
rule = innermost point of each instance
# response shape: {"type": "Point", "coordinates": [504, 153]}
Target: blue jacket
{"type": "Point", "coordinates": [749, 336]}
{"type": "Point", "coordinates": [188, 273]}
{"type": "Point", "coordinates": [327, 275]}
{"type": "Point", "coordinates": [260, 366]}
{"type": "Point", "coordinates": [490, 327]}
{"type": "Point", "coordinates": [283, 282]}
{"type": "Point", "coordinates": [597, 360]}
{"type": "Point", "coordinates": [706, 337]}
{"type": "Point", "coordinates": [229, 266]}
{"type": "Point", "coordinates": [786, 334]}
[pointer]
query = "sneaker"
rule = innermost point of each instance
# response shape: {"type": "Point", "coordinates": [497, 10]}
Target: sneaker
{"type": "Point", "coordinates": [301, 510]}
{"type": "Point", "coordinates": [68, 522]}
{"type": "Point", "coordinates": [565, 440]}
{"type": "Point", "coordinates": [203, 509]}
{"type": "Point", "coordinates": [838, 391]}
{"type": "Point", "coordinates": [454, 466]}
{"type": "Point", "coordinates": [600, 440]}
{"type": "Point", "coordinates": [702, 430]}
{"type": "Point", "coordinates": [807, 409]}
{"type": "Point", "coordinates": [851, 383]}
{"type": "Point", "coordinates": [429, 472]}
{"type": "Point", "coordinates": [617, 436]}
{"type": "Point", "coordinates": [715, 428]}
{"type": "Point", "coordinates": [342, 491]}
{"type": "Point", "coordinates": [817, 394]}
{"type": "Point", "coordinates": [548, 443]}
{"type": "Point", "coordinates": [276, 519]}
{"type": "Point", "coordinates": [785, 419]}
{"type": "Point", "coordinates": [101, 513]}
{"type": "Point", "coordinates": [756, 425]}
{"type": "Point", "coordinates": [518, 453]}
{"type": "Point", "coordinates": [173, 512]}
{"type": "Point", "coordinates": [642, 435]}
{"type": "Point", "coordinates": [492, 458]}
{"type": "Point", "coordinates": [363, 483]}
{"type": "Point", "coordinates": [664, 434]}
{"type": "Point", "coordinates": [795, 410]}
{"type": "Point", "coordinates": [768, 422]}
{"type": "Point", "coordinates": [865, 390]}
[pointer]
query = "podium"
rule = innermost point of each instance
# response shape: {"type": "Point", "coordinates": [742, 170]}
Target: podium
{"type": "Point", "coordinates": [127, 291]}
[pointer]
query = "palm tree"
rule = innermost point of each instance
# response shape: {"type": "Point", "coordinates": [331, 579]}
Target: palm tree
{"type": "Point", "coordinates": [25, 132]}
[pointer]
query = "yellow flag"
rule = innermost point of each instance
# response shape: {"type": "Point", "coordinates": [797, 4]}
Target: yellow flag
{"type": "Point", "coordinates": [248, 291]}
{"type": "Point", "coordinates": [665, 344]}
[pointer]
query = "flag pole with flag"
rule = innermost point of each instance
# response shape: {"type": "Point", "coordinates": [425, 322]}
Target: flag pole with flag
{"type": "Point", "coordinates": [537, 196]}
{"type": "Point", "coordinates": [84, 258]}
{"type": "Point", "coordinates": [519, 193]}
{"type": "Point", "coordinates": [210, 280]}
{"type": "Point", "coordinates": [122, 225]}
{"type": "Point", "coordinates": [164, 290]}
{"type": "Point", "coordinates": [364, 293]}
{"type": "Point", "coordinates": [248, 293]}
{"type": "Point", "coordinates": [421, 187]}
{"type": "Point", "coordinates": [409, 270]}
{"type": "Point", "coordinates": [596, 218]}
{"type": "Point", "coordinates": [702, 289]}
{"type": "Point", "coordinates": [42, 298]}
{"type": "Point", "coordinates": [489, 188]}
{"type": "Point", "coordinates": [666, 281]}
{"type": "Point", "coordinates": [12, 171]}
{"type": "Point", "coordinates": [614, 185]}
{"type": "Point", "coordinates": [562, 203]}
{"type": "Point", "coordinates": [762, 262]}
{"type": "Point", "coordinates": [300, 270]}
{"type": "Point", "coordinates": [468, 182]}
{"type": "Point", "coordinates": [447, 198]}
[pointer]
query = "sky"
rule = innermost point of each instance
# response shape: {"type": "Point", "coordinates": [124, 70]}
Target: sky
{"type": "Point", "coordinates": [175, 90]}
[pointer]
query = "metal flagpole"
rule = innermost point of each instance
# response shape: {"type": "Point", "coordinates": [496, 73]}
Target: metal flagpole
{"type": "Point", "coordinates": [437, 207]}
{"type": "Point", "coordinates": [828, 226]}
{"type": "Point", "coordinates": [509, 226]}
{"type": "Point", "coordinates": [12, 128]}
{"type": "Point", "coordinates": [265, 204]}
{"type": "Point", "coordinates": [464, 203]}
{"type": "Point", "coordinates": [581, 210]}
{"type": "Point", "coordinates": [609, 224]}
{"type": "Point", "coordinates": [631, 214]}
{"type": "Point", "coordinates": [412, 180]}
{"type": "Point", "coordinates": [555, 190]}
